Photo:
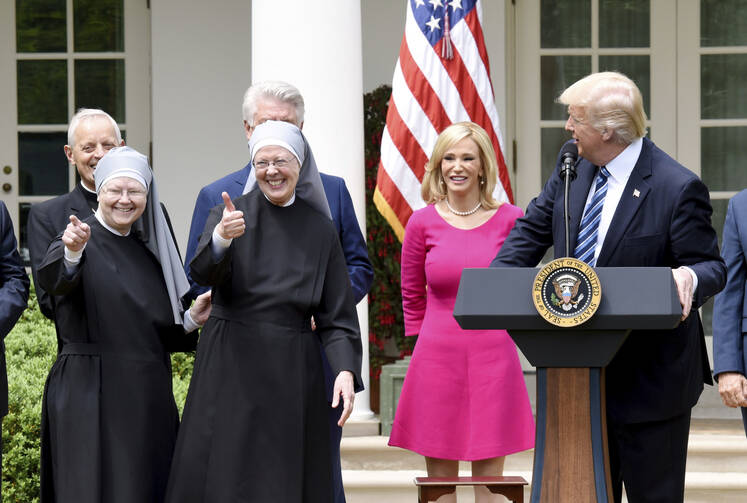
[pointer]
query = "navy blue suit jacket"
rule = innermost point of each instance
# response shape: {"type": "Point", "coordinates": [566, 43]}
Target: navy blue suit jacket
{"type": "Point", "coordinates": [14, 293]}
{"type": "Point", "coordinates": [353, 244]}
{"type": "Point", "coordinates": [730, 308]}
{"type": "Point", "coordinates": [655, 375]}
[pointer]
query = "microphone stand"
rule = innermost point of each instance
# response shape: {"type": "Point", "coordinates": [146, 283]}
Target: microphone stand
{"type": "Point", "coordinates": [566, 213]}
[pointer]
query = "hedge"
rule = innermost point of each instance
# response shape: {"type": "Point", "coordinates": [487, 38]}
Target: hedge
{"type": "Point", "coordinates": [30, 351]}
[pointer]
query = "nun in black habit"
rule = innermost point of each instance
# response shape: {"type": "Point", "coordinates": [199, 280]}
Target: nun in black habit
{"type": "Point", "coordinates": [255, 423]}
{"type": "Point", "coordinates": [109, 420]}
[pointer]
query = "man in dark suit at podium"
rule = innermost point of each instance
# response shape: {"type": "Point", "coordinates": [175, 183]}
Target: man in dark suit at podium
{"type": "Point", "coordinates": [632, 205]}
{"type": "Point", "coordinates": [730, 311]}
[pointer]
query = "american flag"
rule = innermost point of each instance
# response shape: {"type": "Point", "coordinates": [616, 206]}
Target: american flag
{"type": "Point", "coordinates": [442, 76]}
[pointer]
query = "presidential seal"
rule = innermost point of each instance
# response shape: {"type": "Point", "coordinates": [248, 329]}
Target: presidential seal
{"type": "Point", "coordinates": [566, 292]}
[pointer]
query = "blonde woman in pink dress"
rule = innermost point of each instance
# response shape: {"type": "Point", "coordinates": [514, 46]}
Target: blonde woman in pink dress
{"type": "Point", "coordinates": [464, 396]}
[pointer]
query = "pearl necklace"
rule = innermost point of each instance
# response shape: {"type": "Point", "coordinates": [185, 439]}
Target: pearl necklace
{"type": "Point", "coordinates": [462, 213]}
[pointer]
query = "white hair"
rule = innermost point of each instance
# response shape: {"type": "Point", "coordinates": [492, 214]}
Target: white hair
{"type": "Point", "coordinates": [273, 89]}
{"type": "Point", "coordinates": [86, 114]}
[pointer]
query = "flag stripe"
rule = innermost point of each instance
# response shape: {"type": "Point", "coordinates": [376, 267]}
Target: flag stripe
{"type": "Point", "coordinates": [428, 94]}
{"type": "Point", "coordinates": [405, 142]}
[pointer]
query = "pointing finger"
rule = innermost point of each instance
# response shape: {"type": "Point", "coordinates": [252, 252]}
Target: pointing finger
{"type": "Point", "coordinates": [74, 220]}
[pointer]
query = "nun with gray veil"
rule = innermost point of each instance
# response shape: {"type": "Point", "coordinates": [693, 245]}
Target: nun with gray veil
{"type": "Point", "coordinates": [255, 422]}
{"type": "Point", "coordinates": [109, 420]}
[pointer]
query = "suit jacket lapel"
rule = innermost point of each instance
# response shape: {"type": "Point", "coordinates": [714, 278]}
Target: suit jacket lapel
{"type": "Point", "coordinates": [239, 181]}
{"type": "Point", "coordinates": [579, 192]}
{"type": "Point", "coordinates": [628, 205]}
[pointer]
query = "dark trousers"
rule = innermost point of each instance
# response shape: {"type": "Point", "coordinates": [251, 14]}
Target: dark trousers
{"type": "Point", "coordinates": [649, 459]}
{"type": "Point", "coordinates": [744, 418]}
{"type": "Point", "coordinates": [335, 436]}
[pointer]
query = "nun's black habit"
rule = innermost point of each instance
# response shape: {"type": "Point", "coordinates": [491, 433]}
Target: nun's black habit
{"type": "Point", "coordinates": [109, 420]}
{"type": "Point", "coordinates": [255, 423]}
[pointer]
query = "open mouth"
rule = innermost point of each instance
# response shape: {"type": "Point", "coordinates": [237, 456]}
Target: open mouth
{"type": "Point", "coordinates": [275, 183]}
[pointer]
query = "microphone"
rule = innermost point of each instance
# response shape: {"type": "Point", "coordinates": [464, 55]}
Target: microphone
{"type": "Point", "coordinates": [568, 157]}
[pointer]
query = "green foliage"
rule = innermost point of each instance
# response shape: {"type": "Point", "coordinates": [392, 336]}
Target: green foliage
{"type": "Point", "coordinates": [30, 351]}
{"type": "Point", "coordinates": [181, 371]}
{"type": "Point", "coordinates": [386, 335]}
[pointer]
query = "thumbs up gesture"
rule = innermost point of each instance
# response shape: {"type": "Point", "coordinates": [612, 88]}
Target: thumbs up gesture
{"type": "Point", "coordinates": [76, 234]}
{"type": "Point", "coordinates": [232, 224]}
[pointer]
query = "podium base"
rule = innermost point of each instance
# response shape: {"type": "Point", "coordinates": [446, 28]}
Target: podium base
{"type": "Point", "coordinates": [571, 462]}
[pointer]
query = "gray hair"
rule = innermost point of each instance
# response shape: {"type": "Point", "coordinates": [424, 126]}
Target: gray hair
{"type": "Point", "coordinates": [85, 114]}
{"type": "Point", "coordinates": [273, 89]}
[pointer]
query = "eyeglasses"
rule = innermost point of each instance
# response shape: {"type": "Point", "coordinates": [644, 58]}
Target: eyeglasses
{"type": "Point", "coordinates": [278, 163]}
{"type": "Point", "coordinates": [118, 193]}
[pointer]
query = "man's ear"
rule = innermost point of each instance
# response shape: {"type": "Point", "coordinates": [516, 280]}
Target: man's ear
{"type": "Point", "coordinates": [247, 130]}
{"type": "Point", "coordinates": [68, 153]}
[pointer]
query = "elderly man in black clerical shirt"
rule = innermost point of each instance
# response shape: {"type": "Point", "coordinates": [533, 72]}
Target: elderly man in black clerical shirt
{"type": "Point", "coordinates": [90, 135]}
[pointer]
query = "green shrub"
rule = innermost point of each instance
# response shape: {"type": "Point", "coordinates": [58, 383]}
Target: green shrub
{"type": "Point", "coordinates": [30, 351]}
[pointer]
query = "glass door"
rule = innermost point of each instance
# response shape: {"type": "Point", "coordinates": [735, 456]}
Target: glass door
{"type": "Point", "coordinates": [57, 56]}
{"type": "Point", "coordinates": [712, 132]}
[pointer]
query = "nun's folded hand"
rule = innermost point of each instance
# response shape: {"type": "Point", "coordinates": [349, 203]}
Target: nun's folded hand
{"type": "Point", "coordinates": [232, 224]}
{"type": "Point", "coordinates": [200, 310]}
{"type": "Point", "coordinates": [344, 386]}
{"type": "Point", "coordinates": [76, 234]}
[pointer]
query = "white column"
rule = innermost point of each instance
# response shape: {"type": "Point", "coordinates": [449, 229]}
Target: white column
{"type": "Point", "coordinates": [316, 46]}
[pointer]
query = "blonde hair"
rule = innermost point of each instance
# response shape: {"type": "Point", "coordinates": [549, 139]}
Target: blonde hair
{"type": "Point", "coordinates": [432, 188]}
{"type": "Point", "coordinates": [611, 102]}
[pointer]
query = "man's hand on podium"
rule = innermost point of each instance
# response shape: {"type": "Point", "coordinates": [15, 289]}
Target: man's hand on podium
{"type": "Point", "coordinates": [684, 280]}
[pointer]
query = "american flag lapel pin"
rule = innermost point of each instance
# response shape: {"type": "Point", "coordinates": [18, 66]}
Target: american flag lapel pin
{"type": "Point", "coordinates": [636, 193]}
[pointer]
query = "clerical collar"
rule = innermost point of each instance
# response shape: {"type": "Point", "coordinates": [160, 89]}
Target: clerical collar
{"type": "Point", "coordinates": [287, 203]}
{"type": "Point", "coordinates": [622, 166]}
{"type": "Point", "coordinates": [100, 218]}
{"type": "Point", "coordinates": [91, 197]}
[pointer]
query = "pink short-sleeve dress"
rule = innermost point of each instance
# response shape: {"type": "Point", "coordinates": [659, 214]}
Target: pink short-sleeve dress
{"type": "Point", "coordinates": [464, 395]}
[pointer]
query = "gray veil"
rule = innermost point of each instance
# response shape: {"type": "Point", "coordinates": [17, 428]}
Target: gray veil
{"type": "Point", "coordinates": [151, 226]}
{"type": "Point", "coordinates": [309, 186]}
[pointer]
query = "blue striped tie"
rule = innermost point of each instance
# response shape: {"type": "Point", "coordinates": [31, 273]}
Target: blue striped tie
{"type": "Point", "coordinates": [586, 243]}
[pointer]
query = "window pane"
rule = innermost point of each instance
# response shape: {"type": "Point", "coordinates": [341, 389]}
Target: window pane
{"type": "Point", "coordinates": [637, 68]}
{"type": "Point", "coordinates": [717, 219]}
{"type": "Point", "coordinates": [624, 24]}
{"type": "Point", "coordinates": [40, 26]}
{"type": "Point", "coordinates": [552, 140]}
{"type": "Point", "coordinates": [723, 23]}
{"type": "Point", "coordinates": [723, 94]}
{"type": "Point", "coordinates": [42, 91]}
{"type": "Point", "coordinates": [99, 83]}
{"type": "Point", "coordinates": [98, 25]}
{"type": "Point", "coordinates": [42, 165]}
{"type": "Point", "coordinates": [559, 72]}
{"type": "Point", "coordinates": [723, 157]}
{"type": "Point", "coordinates": [719, 216]}
{"type": "Point", "coordinates": [23, 235]}
{"type": "Point", "coordinates": [565, 24]}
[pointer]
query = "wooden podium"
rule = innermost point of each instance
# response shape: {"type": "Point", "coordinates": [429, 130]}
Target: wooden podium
{"type": "Point", "coordinates": [571, 462]}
